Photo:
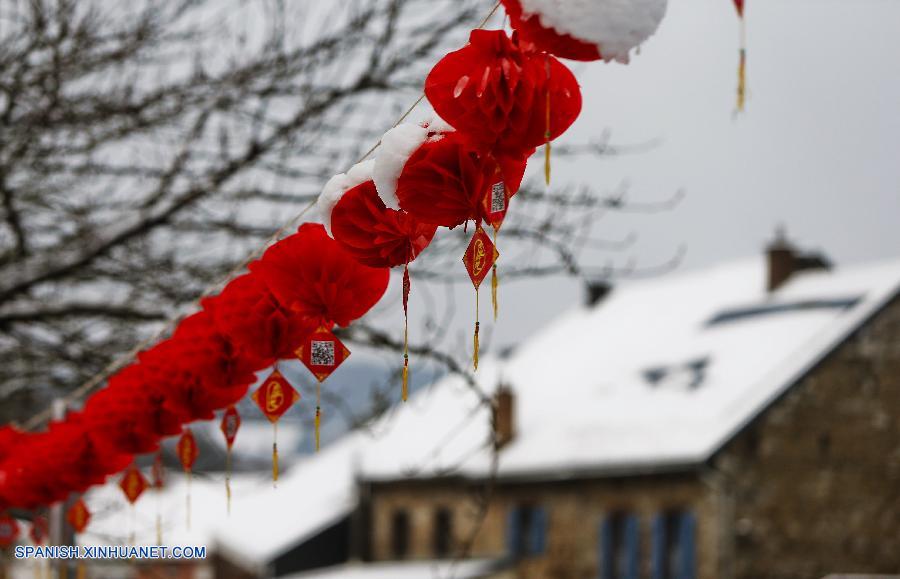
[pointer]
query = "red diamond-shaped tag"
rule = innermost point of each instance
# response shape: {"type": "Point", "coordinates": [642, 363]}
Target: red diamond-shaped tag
{"type": "Point", "coordinates": [78, 516]}
{"type": "Point", "coordinates": [133, 484]}
{"type": "Point", "coordinates": [187, 450]}
{"type": "Point", "coordinates": [322, 353]}
{"type": "Point", "coordinates": [231, 422]}
{"type": "Point", "coordinates": [480, 256]}
{"type": "Point", "coordinates": [275, 396]}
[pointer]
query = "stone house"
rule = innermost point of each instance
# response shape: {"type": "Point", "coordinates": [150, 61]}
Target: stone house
{"type": "Point", "coordinates": [735, 422]}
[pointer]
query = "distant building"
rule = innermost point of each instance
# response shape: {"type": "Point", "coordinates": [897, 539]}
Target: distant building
{"type": "Point", "coordinates": [741, 421]}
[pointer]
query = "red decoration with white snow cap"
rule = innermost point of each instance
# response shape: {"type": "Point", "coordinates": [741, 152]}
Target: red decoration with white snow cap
{"type": "Point", "coordinates": [586, 29]}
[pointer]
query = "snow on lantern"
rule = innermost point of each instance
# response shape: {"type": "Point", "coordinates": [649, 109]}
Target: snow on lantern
{"type": "Point", "coordinates": [586, 29]}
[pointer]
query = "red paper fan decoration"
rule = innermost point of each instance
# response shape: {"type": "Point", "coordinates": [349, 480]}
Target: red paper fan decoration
{"type": "Point", "coordinates": [311, 274]}
{"type": "Point", "coordinates": [9, 531]}
{"type": "Point", "coordinates": [505, 98]}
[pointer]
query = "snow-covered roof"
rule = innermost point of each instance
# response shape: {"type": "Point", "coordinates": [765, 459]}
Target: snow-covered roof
{"type": "Point", "coordinates": [658, 375]}
{"type": "Point", "coordinates": [471, 569]}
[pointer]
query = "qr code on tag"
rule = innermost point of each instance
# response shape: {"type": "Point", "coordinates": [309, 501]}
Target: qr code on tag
{"type": "Point", "coordinates": [498, 197]}
{"type": "Point", "coordinates": [322, 353]}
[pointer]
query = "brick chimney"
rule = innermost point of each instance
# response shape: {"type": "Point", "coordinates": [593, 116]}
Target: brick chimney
{"type": "Point", "coordinates": [595, 291]}
{"type": "Point", "coordinates": [784, 260]}
{"type": "Point", "coordinates": [504, 416]}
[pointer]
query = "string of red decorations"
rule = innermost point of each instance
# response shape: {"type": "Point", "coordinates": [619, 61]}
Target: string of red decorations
{"type": "Point", "coordinates": [498, 99]}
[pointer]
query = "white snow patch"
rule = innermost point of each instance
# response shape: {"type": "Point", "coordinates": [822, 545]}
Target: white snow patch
{"type": "Point", "coordinates": [615, 26]}
{"type": "Point", "coordinates": [397, 145]}
{"type": "Point", "coordinates": [338, 185]}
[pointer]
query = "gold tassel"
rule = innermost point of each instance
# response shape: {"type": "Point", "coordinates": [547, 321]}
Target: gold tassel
{"type": "Point", "coordinates": [228, 480]}
{"type": "Point", "coordinates": [318, 412]}
{"type": "Point", "coordinates": [318, 425]}
{"type": "Point", "coordinates": [274, 454]}
{"type": "Point", "coordinates": [742, 70]}
{"type": "Point", "coordinates": [404, 388]}
{"type": "Point", "coordinates": [81, 570]}
{"type": "Point", "coordinates": [187, 500]}
{"type": "Point", "coordinates": [159, 533]}
{"type": "Point", "coordinates": [495, 283]}
{"type": "Point", "coordinates": [547, 133]}
{"type": "Point", "coordinates": [477, 327]}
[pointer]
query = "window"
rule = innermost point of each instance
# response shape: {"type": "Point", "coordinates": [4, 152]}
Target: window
{"type": "Point", "coordinates": [620, 546]}
{"type": "Point", "coordinates": [674, 552]}
{"type": "Point", "coordinates": [443, 532]}
{"type": "Point", "coordinates": [400, 534]}
{"type": "Point", "coordinates": [526, 531]}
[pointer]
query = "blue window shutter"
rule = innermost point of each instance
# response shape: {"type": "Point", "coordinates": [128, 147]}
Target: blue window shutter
{"type": "Point", "coordinates": [687, 530]}
{"type": "Point", "coordinates": [537, 542]}
{"type": "Point", "coordinates": [632, 547]}
{"type": "Point", "coordinates": [513, 531]}
{"type": "Point", "coordinates": [658, 548]}
{"type": "Point", "coordinates": [605, 551]}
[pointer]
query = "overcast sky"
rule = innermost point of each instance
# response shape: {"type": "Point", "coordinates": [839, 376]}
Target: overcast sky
{"type": "Point", "coordinates": [817, 148]}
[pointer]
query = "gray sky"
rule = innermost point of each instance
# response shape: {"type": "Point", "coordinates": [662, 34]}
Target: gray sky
{"type": "Point", "coordinates": [817, 148]}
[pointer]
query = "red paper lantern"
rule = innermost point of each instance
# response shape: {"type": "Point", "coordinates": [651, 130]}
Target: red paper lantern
{"type": "Point", "coordinates": [250, 316]}
{"type": "Point", "coordinates": [500, 96]}
{"type": "Point", "coordinates": [311, 274]}
{"type": "Point", "coordinates": [374, 234]}
{"type": "Point", "coordinates": [444, 182]}
{"type": "Point", "coordinates": [200, 368]}
{"type": "Point", "coordinates": [131, 412]}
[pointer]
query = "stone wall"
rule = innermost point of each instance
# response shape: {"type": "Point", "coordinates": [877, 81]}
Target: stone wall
{"type": "Point", "coordinates": [814, 483]}
{"type": "Point", "coordinates": [575, 510]}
